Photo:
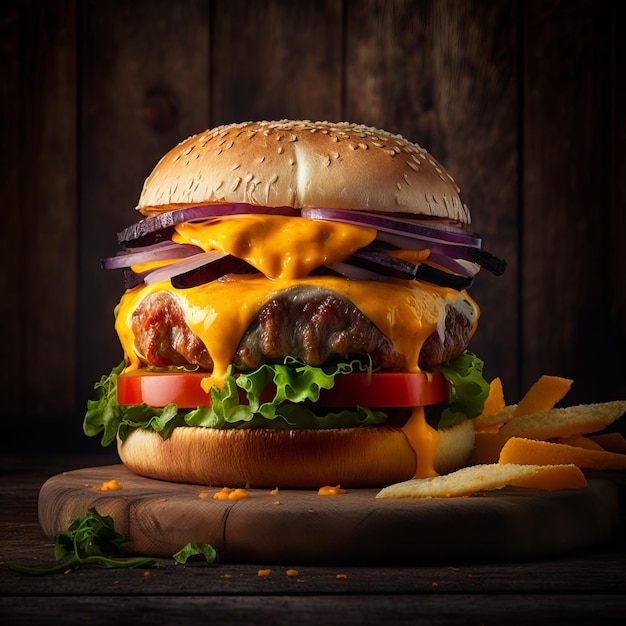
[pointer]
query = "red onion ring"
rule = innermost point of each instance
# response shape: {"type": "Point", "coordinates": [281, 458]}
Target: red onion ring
{"type": "Point", "coordinates": [168, 219]}
{"type": "Point", "coordinates": [174, 269]}
{"type": "Point", "coordinates": [161, 251]}
{"type": "Point", "coordinates": [424, 230]}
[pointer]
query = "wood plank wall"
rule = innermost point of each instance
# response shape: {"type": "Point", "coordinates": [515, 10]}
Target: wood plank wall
{"type": "Point", "coordinates": [523, 101]}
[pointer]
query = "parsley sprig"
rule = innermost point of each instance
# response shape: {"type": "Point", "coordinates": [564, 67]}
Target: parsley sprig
{"type": "Point", "coordinates": [90, 540]}
{"type": "Point", "coordinates": [93, 540]}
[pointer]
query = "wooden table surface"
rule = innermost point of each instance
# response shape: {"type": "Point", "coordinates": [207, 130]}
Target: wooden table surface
{"type": "Point", "coordinates": [588, 587]}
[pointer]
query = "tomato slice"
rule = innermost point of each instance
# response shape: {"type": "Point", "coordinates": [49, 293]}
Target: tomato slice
{"type": "Point", "coordinates": [379, 389]}
{"type": "Point", "coordinates": [386, 389]}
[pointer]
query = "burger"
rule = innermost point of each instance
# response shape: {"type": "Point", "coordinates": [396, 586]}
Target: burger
{"type": "Point", "coordinates": [296, 313]}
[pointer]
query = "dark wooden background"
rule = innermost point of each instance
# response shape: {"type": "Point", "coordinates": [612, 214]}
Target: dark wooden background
{"type": "Point", "coordinates": [524, 103]}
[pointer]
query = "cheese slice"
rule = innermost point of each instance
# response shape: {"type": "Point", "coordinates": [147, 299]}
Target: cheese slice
{"type": "Point", "coordinates": [220, 312]}
{"type": "Point", "coordinates": [424, 439]}
{"type": "Point", "coordinates": [286, 250]}
{"type": "Point", "coordinates": [278, 246]}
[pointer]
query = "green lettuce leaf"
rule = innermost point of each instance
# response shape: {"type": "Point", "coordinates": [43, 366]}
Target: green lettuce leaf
{"type": "Point", "coordinates": [105, 416]}
{"type": "Point", "coordinates": [189, 550]}
{"type": "Point", "coordinates": [295, 387]}
{"type": "Point", "coordinates": [292, 381]}
{"type": "Point", "coordinates": [468, 389]}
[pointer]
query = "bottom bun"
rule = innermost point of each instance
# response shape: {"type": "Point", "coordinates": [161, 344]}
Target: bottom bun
{"type": "Point", "coordinates": [351, 457]}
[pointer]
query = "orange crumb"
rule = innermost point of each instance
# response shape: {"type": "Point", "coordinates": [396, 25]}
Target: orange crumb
{"type": "Point", "coordinates": [222, 494]}
{"type": "Point", "coordinates": [331, 491]}
{"type": "Point", "coordinates": [228, 575]}
{"type": "Point", "coordinates": [276, 502]}
{"type": "Point", "coordinates": [238, 494]}
{"type": "Point", "coordinates": [109, 485]}
{"type": "Point", "coordinates": [264, 572]}
{"type": "Point", "coordinates": [292, 572]}
{"type": "Point", "coordinates": [203, 494]}
{"type": "Point", "coordinates": [341, 576]}
{"type": "Point", "coordinates": [146, 573]}
{"type": "Point", "coordinates": [274, 492]}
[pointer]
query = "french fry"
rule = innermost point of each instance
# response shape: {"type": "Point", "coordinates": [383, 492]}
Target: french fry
{"type": "Point", "coordinates": [487, 447]}
{"type": "Point", "coordinates": [530, 451]}
{"type": "Point", "coordinates": [564, 422]}
{"type": "Point", "coordinates": [493, 422]}
{"type": "Point", "coordinates": [611, 442]}
{"type": "Point", "coordinates": [495, 400]}
{"type": "Point", "coordinates": [543, 395]}
{"type": "Point", "coordinates": [580, 441]}
{"type": "Point", "coordinates": [469, 480]}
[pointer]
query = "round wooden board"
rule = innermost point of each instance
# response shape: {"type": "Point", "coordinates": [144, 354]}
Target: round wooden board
{"type": "Point", "coordinates": [301, 527]}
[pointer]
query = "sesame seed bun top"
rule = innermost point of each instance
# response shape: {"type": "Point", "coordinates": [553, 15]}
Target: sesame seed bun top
{"type": "Point", "coordinates": [303, 164]}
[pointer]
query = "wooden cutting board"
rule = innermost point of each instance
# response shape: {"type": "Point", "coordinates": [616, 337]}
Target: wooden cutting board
{"type": "Point", "coordinates": [301, 527]}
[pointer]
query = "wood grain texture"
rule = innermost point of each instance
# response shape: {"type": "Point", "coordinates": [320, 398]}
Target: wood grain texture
{"type": "Point", "coordinates": [406, 610]}
{"type": "Point", "coordinates": [41, 262]}
{"type": "Point", "coordinates": [298, 526]}
{"type": "Point", "coordinates": [523, 103]}
{"type": "Point", "coordinates": [276, 59]}
{"type": "Point", "coordinates": [615, 52]}
{"type": "Point", "coordinates": [135, 59]}
{"type": "Point", "coordinates": [565, 225]}
{"type": "Point", "coordinates": [11, 282]}
{"type": "Point", "coordinates": [444, 74]}
{"type": "Point", "coordinates": [586, 586]}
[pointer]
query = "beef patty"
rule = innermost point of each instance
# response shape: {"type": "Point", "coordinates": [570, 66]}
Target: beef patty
{"type": "Point", "coordinates": [314, 325]}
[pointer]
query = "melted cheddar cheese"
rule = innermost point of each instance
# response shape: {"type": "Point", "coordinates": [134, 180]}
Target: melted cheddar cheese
{"type": "Point", "coordinates": [219, 312]}
{"type": "Point", "coordinates": [278, 246]}
{"type": "Point", "coordinates": [286, 250]}
{"type": "Point", "coordinates": [424, 439]}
